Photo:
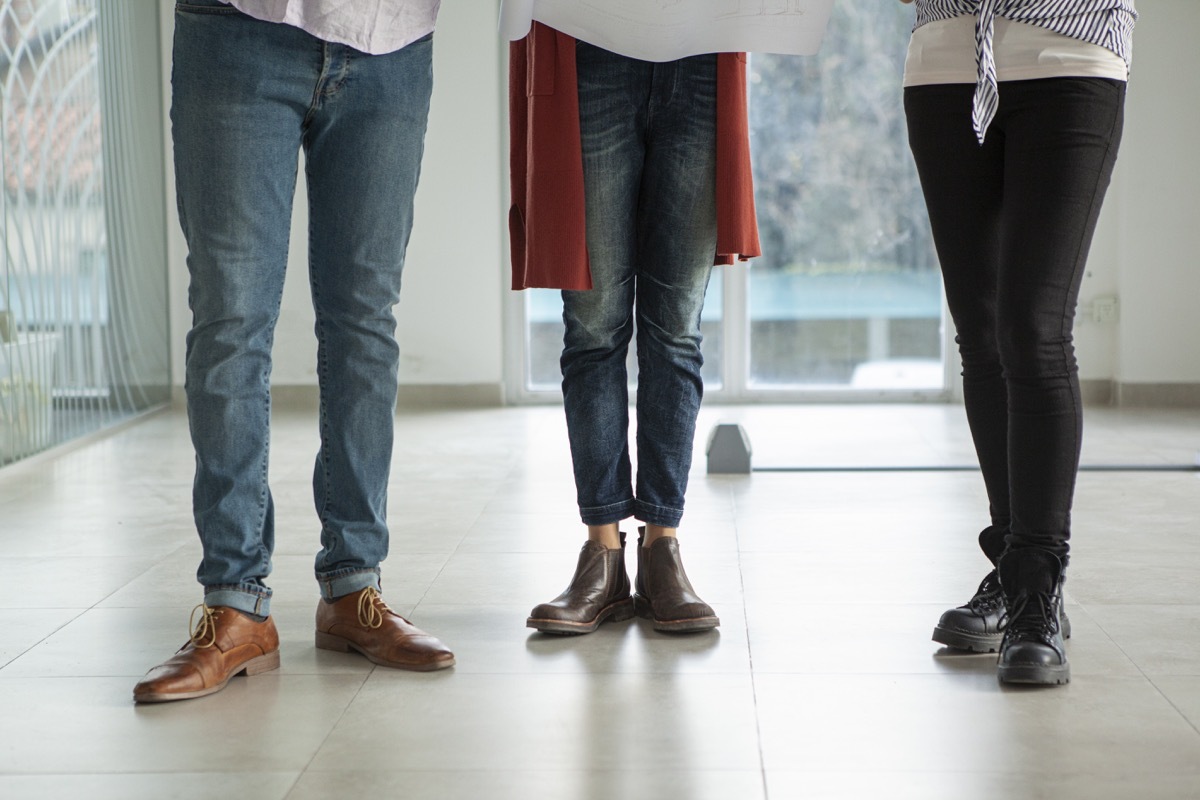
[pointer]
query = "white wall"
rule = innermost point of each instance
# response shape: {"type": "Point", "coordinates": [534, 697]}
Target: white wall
{"type": "Point", "coordinates": [450, 308]}
{"type": "Point", "coordinates": [454, 285]}
{"type": "Point", "coordinates": [1148, 239]}
{"type": "Point", "coordinates": [1158, 214]}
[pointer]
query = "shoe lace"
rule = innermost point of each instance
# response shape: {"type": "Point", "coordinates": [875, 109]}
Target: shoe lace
{"type": "Point", "coordinates": [1034, 615]}
{"type": "Point", "coordinates": [371, 608]}
{"type": "Point", "coordinates": [988, 596]}
{"type": "Point", "coordinates": [204, 630]}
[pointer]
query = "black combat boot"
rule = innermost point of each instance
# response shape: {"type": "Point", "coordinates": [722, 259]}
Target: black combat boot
{"type": "Point", "coordinates": [1032, 649]}
{"type": "Point", "coordinates": [978, 626]}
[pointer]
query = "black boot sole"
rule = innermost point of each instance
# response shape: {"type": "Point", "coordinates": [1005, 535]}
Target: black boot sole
{"type": "Point", "coordinates": [981, 643]}
{"type": "Point", "coordinates": [616, 612]}
{"type": "Point", "coordinates": [971, 642]}
{"type": "Point", "coordinates": [1035, 675]}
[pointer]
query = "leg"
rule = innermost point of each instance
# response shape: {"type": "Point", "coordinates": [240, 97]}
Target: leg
{"type": "Point", "coordinates": [363, 142]}
{"type": "Point", "coordinates": [364, 139]}
{"type": "Point", "coordinates": [599, 322]}
{"type": "Point", "coordinates": [677, 227]}
{"type": "Point", "coordinates": [599, 325]}
{"type": "Point", "coordinates": [963, 187]}
{"type": "Point", "coordinates": [240, 87]}
{"type": "Point", "coordinates": [1063, 136]}
{"type": "Point", "coordinates": [1061, 140]}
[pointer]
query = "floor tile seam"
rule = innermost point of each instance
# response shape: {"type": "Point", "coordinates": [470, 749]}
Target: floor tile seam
{"type": "Point", "coordinates": [758, 731]}
{"type": "Point", "coordinates": [599, 673]}
{"type": "Point", "coordinates": [1193, 724]}
{"type": "Point", "coordinates": [316, 751]}
{"type": "Point", "coordinates": [98, 605]}
{"type": "Point", "coordinates": [633, 770]}
{"type": "Point", "coordinates": [972, 675]}
{"type": "Point", "coordinates": [1083, 607]}
{"type": "Point", "coordinates": [27, 650]}
{"type": "Point", "coordinates": [144, 772]}
{"type": "Point", "coordinates": [1057, 774]}
{"type": "Point", "coordinates": [553, 770]}
{"type": "Point", "coordinates": [441, 570]}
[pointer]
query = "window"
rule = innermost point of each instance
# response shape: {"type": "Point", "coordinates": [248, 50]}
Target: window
{"type": "Point", "coordinates": [846, 299]}
{"type": "Point", "coordinates": [83, 326]}
{"type": "Point", "coordinates": [847, 293]}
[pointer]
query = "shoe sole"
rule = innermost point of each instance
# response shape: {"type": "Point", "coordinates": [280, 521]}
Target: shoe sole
{"type": "Point", "coordinates": [971, 642]}
{"type": "Point", "coordinates": [692, 625]}
{"type": "Point", "coordinates": [980, 643]}
{"type": "Point", "coordinates": [255, 666]}
{"type": "Point", "coordinates": [616, 612]}
{"type": "Point", "coordinates": [327, 641]}
{"type": "Point", "coordinates": [1041, 676]}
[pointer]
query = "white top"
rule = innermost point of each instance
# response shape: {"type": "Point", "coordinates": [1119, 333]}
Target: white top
{"type": "Point", "coordinates": [666, 30]}
{"type": "Point", "coordinates": [1107, 23]}
{"type": "Point", "coordinates": [372, 26]}
{"type": "Point", "coordinates": [944, 52]}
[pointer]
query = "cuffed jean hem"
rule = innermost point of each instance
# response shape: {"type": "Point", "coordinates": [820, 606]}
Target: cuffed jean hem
{"type": "Point", "coordinates": [340, 584]}
{"type": "Point", "coordinates": [606, 515]}
{"type": "Point", "coordinates": [662, 516]}
{"type": "Point", "coordinates": [239, 598]}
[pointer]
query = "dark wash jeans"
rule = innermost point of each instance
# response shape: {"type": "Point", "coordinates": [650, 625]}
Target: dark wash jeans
{"type": "Point", "coordinates": [1012, 223]}
{"type": "Point", "coordinates": [649, 163]}
{"type": "Point", "coordinates": [246, 96]}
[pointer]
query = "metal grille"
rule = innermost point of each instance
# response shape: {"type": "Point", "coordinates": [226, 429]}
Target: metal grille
{"type": "Point", "coordinates": [83, 312]}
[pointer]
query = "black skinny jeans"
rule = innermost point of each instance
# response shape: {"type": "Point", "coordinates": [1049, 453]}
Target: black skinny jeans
{"type": "Point", "coordinates": [1012, 223]}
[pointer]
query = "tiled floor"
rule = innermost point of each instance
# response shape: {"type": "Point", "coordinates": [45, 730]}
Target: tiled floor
{"type": "Point", "coordinates": [820, 683]}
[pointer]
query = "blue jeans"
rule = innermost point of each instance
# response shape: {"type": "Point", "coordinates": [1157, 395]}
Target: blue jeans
{"type": "Point", "coordinates": [649, 168]}
{"type": "Point", "coordinates": [1013, 221]}
{"type": "Point", "coordinates": [246, 96]}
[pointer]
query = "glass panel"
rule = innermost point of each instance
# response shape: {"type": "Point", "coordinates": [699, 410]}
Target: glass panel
{"type": "Point", "coordinates": [847, 293]}
{"type": "Point", "coordinates": [544, 338]}
{"type": "Point", "coordinates": [83, 326]}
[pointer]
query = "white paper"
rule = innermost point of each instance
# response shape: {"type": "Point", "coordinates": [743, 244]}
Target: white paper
{"type": "Point", "coordinates": [665, 30]}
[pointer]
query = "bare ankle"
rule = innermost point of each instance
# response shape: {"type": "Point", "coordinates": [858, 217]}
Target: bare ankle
{"type": "Point", "coordinates": [656, 532]}
{"type": "Point", "coordinates": [608, 535]}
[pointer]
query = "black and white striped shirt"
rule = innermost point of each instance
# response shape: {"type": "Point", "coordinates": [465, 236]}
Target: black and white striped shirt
{"type": "Point", "coordinates": [1107, 23]}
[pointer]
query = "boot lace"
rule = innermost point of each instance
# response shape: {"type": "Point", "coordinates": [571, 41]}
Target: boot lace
{"type": "Point", "coordinates": [371, 608]}
{"type": "Point", "coordinates": [204, 629]}
{"type": "Point", "coordinates": [1034, 615]}
{"type": "Point", "coordinates": [988, 597]}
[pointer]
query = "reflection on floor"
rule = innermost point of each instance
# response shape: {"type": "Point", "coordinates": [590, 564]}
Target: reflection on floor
{"type": "Point", "coordinates": [821, 681]}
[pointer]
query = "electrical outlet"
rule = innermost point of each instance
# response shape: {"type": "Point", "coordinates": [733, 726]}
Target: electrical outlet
{"type": "Point", "coordinates": [1104, 309]}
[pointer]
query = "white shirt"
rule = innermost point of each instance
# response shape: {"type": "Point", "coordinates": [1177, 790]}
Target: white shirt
{"type": "Point", "coordinates": [666, 30]}
{"type": "Point", "coordinates": [372, 26]}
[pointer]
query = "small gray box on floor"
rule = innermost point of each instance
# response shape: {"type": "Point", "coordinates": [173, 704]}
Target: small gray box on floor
{"type": "Point", "coordinates": [728, 450]}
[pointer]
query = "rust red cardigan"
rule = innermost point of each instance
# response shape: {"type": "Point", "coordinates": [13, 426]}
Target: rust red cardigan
{"type": "Point", "coordinates": [546, 221]}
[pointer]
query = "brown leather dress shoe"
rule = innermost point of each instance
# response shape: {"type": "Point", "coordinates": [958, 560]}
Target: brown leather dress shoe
{"type": "Point", "coordinates": [598, 593]}
{"type": "Point", "coordinates": [664, 594]}
{"type": "Point", "coordinates": [224, 643]}
{"type": "Point", "coordinates": [363, 622]}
